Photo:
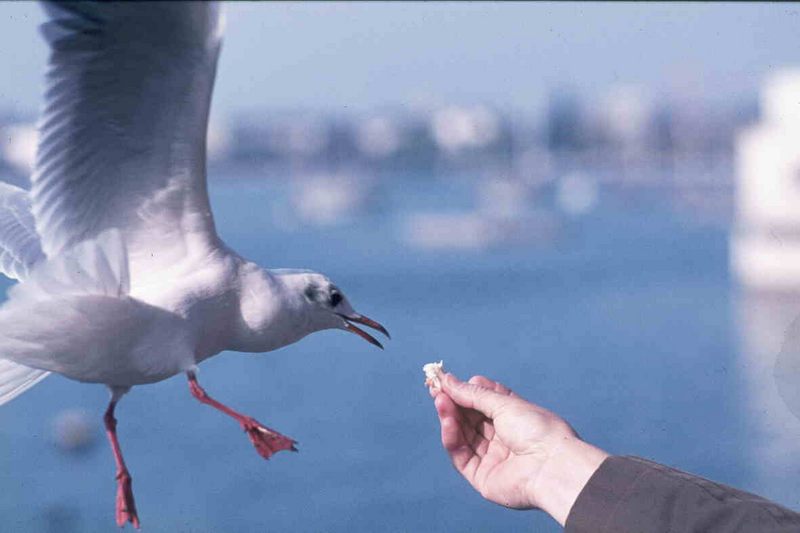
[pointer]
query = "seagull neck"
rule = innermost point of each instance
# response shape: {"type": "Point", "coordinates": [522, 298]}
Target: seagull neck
{"type": "Point", "coordinates": [271, 316]}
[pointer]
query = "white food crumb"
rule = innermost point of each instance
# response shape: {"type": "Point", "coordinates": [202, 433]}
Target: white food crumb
{"type": "Point", "coordinates": [433, 373]}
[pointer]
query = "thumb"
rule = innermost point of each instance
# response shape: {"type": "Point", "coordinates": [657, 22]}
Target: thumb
{"type": "Point", "coordinates": [473, 396]}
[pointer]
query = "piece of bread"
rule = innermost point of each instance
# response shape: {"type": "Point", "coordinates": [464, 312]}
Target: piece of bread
{"type": "Point", "coordinates": [433, 375]}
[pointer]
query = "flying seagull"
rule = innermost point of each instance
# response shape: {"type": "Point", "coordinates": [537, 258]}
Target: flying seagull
{"type": "Point", "coordinates": [123, 279]}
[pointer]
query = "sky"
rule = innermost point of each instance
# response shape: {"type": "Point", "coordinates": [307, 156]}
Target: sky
{"type": "Point", "coordinates": [339, 57]}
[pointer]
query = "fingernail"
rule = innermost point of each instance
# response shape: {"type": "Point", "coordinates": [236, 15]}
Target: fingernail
{"type": "Point", "coordinates": [451, 380]}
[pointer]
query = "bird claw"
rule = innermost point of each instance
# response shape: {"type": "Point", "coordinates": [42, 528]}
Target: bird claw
{"type": "Point", "coordinates": [126, 506]}
{"type": "Point", "coordinates": [266, 441]}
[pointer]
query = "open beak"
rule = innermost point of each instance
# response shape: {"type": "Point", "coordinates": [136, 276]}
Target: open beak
{"type": "Point", "coordinates": [361, 319]}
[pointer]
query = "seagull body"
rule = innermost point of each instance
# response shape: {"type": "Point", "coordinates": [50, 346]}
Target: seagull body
{"type": "Point", "coordinates": [89, 326]}
{"type": "Point", "coordinates": [123, 278]}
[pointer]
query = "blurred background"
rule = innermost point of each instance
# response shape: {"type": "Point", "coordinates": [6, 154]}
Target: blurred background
{"type": "Point", "coordinates": [598, 205]}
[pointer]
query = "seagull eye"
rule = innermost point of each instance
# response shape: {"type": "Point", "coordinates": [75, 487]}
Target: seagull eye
{"type": "Point", "coordinates": [336, 299]}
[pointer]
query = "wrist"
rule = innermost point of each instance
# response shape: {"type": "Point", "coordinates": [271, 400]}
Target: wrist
{"type": "Point", "coordinates": [564, 474]}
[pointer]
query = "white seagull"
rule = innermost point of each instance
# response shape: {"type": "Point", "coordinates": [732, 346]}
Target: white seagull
{"type": "Point", "coordinates": [123, 278]}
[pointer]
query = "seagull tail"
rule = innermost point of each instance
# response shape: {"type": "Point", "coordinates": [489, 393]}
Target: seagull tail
{"type": "Point", "coordinates": [16, 379]}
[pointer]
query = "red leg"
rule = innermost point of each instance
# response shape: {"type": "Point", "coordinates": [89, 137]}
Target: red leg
{"type": "Point", "coordinates": [126, 507]}
{"type": "Point", "coordinates": [266, 440]}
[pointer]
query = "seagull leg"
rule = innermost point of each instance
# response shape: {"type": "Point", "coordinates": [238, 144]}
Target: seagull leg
{"type": "Point", "coordinates": [266, 441]}
{"type": "Point", "coordinates": [126, 507]}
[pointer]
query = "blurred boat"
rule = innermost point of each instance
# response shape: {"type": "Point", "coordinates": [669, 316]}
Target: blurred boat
{"type": "Point", "coordinates": [331, 199]}
{"type": "Point", "coordinates": [505, 216]}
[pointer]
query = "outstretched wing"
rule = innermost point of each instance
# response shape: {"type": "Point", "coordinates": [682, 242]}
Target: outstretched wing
{"type": "Point", "coordinates": [123, 131]}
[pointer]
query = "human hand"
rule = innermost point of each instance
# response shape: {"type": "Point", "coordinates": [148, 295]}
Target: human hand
{"type": "Point", "coordinates": [513, 452]}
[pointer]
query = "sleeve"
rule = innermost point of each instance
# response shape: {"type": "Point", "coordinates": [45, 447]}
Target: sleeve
{"type": "Point", "coordinates": [629, 494]}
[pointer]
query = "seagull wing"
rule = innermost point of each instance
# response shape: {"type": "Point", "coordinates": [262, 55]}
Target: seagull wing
{"type": "Point", "coordinates": [16, 379]}
{"type": "Point", "coordinates": [19, 252]}
{"type": "Point", "coordinates": [19, 244]}
{"type": "Point", "coordinates": [122, 137]}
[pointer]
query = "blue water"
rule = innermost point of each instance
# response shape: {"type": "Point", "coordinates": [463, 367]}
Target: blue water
{"type": "Point", "coordinates": [625, 326]}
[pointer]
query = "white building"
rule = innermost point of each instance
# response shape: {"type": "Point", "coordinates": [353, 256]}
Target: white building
{"type": "Point", "coordinates": [765, 244]}
{"type": "Point", "coordinates": [765, 258]}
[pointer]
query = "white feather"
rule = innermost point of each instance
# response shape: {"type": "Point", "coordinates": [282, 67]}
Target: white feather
{"type": "Point", "coordinates": [98, 267]}
{"type": "Point", "coordinates": [72, 316]}
{"type": "Point", "coordinates": [16, 379]}
{"type": "Point", "coordinates": [123, 130]}
{"type": "Point", "coordinates": [19, 243]}
{"type": "Point", "coordinates": [19, 252]}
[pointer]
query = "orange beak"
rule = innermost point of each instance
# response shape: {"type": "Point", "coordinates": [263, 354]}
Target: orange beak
{"type": "Point", "coordinates": [361, 319]}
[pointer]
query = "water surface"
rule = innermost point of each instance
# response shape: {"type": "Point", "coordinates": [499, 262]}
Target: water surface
{"type": "Point", "coordinates": [627, 326]}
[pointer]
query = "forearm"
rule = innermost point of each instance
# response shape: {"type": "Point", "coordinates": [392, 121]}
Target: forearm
{"type": "Point", "coordinates": [630, 495]}
{"type": "Point", "coordinates": [563, 476]}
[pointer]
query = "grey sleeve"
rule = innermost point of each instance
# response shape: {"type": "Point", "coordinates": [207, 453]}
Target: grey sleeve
{"type": "Point", "coordinates": [629, 494]}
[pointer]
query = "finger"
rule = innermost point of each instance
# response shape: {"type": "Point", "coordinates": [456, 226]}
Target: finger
{"type": "Point", "coordinates": [491, 384]}
{"type": "Point", "coordinates": [469, 433]}
{"type": "Point", "coordinates": [472, 427]}
{"type": "Point", "coordinates": [472, 418]}
{"type": "Point", "coordinates": [487, 430]}
{"type": "Point", "coordinates": [478, 442]}
{"type": "Point", "coordinates": [481, 381]}
{"type": "Point", "coordinates": [478, 430]}
{"type": "Point", "coordinates": [464, 459]}
{"type": "Point", "coordinates": [502, 389]}
{"type": "Point", "coordinates": [452, 436]}
{"type": "Point", "coordinates": [445, 407]}
{"type": "Point", "coordinates": [452, 433]}
{"type": "Point", "coordinates": [472, 396]}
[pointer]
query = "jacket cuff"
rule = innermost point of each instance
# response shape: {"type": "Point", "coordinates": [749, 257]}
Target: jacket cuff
{"type": "Point", "coordinates": [608, 486]}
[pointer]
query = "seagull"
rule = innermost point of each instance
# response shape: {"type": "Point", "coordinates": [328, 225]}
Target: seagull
{"type": "Point", "coordinates": [123, 280]}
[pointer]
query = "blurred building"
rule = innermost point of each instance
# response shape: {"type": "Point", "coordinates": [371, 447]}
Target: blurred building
{"type": "Point", "coordinates": [627, 114]}
{"type": "Point", "coordinates": [466, 133]}
{"type": "Point", "coordinates": [394, 141]}
{"type": "Point", "coordinates": [565, 123]}
{"type": "Point", "coordinates": [765, 260]}
{"type": "Point", "coordinates": [765, 245]}
{"type": "Point", "coordinates": [631, 137]}
{"type": "Point", "coordinates": [280, 138]}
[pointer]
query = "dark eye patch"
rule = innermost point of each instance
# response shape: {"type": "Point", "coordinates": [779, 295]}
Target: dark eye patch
{"type": "Point", "coordinates": [312, 292]}
{"type": "Point", "coordinates": [336, 299]}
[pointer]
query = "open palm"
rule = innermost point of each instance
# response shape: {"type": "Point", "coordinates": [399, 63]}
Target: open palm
{"type": "Point", "coordinates": [497, 440]}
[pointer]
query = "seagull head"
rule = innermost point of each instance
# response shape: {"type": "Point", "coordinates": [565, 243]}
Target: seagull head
{"type": "Point", "coordinates": [330, 308]}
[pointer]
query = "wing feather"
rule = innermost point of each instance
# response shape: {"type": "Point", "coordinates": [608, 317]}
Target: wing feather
{"type": "Point", "coordinates": [19, 244]}
{"type": "Point", "coordinates": [16, 379]}
{"type": "Point", "coordinates": [19, 253]}
{"type": "Point", "coordinates": [123, 131]}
